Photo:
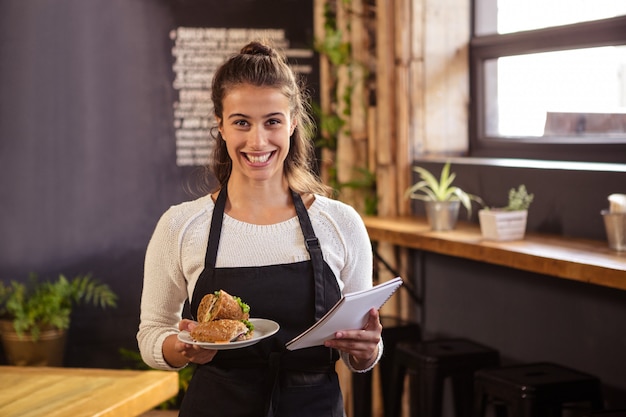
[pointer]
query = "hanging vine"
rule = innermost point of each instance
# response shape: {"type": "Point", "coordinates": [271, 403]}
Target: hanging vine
{"type": "Point", "coordinates": [358, 184]}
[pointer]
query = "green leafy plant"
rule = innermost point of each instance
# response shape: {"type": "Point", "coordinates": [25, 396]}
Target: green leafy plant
{"type": "Point", "coordinates": [36, 304]}
{"type": "Point", "coordinates": [334, 119]}
{"type": "Point", "coordinates": [519, 199]}
{"type": "Point", "coordinates": [430, 188]}
{"type": "Point", "coordinates": [365, 181]}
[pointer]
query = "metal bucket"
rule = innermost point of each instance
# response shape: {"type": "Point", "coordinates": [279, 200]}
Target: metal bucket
{"type": "Point", "coordinates": [615, 224]}
{"type": "Point", "coordinates": [442, 215]}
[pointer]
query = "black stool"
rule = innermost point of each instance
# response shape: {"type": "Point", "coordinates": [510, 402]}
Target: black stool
{"type": "Point", "coordinates": [534, 390]}
{"type": "Point", "coordinates": [395, 330]}
{"type": "Point", "coordinates": [607, 413]}
{"type": "Point", "coordinates": [430, 363]}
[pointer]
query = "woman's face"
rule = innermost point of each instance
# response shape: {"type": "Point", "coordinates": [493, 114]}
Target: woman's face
{"type": "Point", "coordinates": [256, 127]}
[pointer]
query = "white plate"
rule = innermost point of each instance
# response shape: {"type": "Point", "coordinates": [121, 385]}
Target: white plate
{"type": "Point", "coordinates": [262, 328]}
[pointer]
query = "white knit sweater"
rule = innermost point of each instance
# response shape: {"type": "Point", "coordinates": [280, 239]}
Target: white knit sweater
{"type": "Point", "coordinates": [176, 252]}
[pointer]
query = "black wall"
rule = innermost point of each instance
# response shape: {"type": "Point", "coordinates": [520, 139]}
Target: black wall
{"type": "Point", "coordinates": [86, 151]}
{"type": "Point", "coordinates": [528, 316]}
{"type": "Point", "coordinates": [87, 146]}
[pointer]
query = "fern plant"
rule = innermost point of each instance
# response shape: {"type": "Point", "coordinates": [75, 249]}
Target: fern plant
{"type": "Point", "coordinates": [38, 304]}
{"type": "Point", "coordinates": [430, 188]}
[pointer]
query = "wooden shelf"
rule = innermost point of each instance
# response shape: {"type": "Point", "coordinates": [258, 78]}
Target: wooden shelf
{"type": "Point", "coordinates": [582, 260]}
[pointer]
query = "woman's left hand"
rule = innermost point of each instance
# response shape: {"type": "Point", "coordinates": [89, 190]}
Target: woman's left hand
{"type": "Point", "coordinates": [362, 345]}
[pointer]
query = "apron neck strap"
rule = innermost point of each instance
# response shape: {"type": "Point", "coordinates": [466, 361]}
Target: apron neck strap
{"type": "Point", "coordinates": [315, 251]}
{"type": "Point", "coordinates": [216, 227]}
{"type": "Point", "coordinates": [310, 241]}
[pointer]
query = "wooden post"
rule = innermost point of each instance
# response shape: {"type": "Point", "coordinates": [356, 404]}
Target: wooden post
{"type": "Point", "coordinates": [421, 107]}
{"type": "Point", "coordinates": [327, 156]}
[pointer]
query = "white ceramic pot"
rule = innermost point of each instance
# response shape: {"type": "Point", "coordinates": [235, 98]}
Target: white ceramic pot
{"type": "Point", "coordinates": [496, 224]}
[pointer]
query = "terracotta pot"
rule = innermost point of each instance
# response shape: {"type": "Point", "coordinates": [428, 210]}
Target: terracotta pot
{"type": "Point", "coordinates": [48, 350]}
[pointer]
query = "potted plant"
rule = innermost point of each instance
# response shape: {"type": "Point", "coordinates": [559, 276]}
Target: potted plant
{"type": "Point", "coordinates": [35, 316]}
{"type": "Point", "coordinates": [509, 222]}
{"type": "Point", "coordinates": [442, 199]}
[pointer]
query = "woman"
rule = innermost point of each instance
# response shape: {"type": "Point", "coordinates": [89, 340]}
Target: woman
{"type": "Point", "coordinates": [270, 235]}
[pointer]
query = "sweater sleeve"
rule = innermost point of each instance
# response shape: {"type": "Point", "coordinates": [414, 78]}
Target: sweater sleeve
{"type": "Point", "coordinates": [164, 292]}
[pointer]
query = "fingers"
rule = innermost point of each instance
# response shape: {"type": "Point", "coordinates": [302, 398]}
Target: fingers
{"type": "Point", "coordinates": [373, 321]}
{"type": "Point", "coordinates": [186, 324]}
{"type": "Point", "coordinates": [361, 344]}
{"type": "Point", "coordinates": [197, 354]}
{"type": "Point", "coordinates": [193, 353]}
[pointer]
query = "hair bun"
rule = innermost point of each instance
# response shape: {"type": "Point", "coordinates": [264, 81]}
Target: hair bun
{"type": "Point", "coordinates": [258, 48]}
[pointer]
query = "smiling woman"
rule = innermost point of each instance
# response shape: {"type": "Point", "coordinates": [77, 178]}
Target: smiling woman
{"type": "Point", "coordinates": [270, 234]}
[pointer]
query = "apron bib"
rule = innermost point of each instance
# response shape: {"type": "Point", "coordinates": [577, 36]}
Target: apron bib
{"type": "Point", "coordinates": [265, 379]}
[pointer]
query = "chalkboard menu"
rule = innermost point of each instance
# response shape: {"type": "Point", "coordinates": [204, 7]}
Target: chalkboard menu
{"type": "Point", "coordinates": [201, 42]}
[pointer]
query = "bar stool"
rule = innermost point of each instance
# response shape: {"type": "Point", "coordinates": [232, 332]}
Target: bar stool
{"type": "Point", "coordinates": [430, 363]}
{"type": "Point", "coordinates": [607, 413]}
{"type": "Point", "coordinates": [395, 330]}
{"type": "Point", "coordinates": [535, 390]}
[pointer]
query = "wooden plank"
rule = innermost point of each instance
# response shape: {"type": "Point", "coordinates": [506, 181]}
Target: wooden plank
{"type": "Point", "coordinates": [386, 194]}
{"type": "Point", "coordinates": [402, 17]}
{"type": "Point", "coordinates": [402, 35]}
{"type": "Point", "coordinates": [416, 92]}
{"type": "Point", "coordinates": [77, 392]}
{"type": "Point", "coordinates": [327, 156]}
{"type": "Point", "coordinates": [403, 166]}
{"type": "Point", "coordinates": [446, 67]}
{"type": "Point", "coordinates": [581, 260]}
{"type": "Point", "coordinates": [359, 99]}
{"type": "Point", "coordinates": [385, 84]}
{"type": "Point", "coordinates": [372, 144]}
{"type": "Point", "coordinates": [346, 156]}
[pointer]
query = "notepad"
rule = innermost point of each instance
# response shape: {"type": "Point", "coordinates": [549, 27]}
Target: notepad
{"type": "Point", "coordinates": [349, 313]}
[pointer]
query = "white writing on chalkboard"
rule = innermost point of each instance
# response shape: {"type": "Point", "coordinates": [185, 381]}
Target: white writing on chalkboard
{"type": "Point", "coordinates": [198, 52]}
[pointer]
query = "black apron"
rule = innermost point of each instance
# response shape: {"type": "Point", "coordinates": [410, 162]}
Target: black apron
{"type": "Point", "coordinates": [265, 379]}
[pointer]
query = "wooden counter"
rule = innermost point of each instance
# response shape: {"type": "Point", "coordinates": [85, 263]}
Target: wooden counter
{"type": "Point", "coordinates": [56, 392]}
{"type": "Point", "coordinates": [582, 260]}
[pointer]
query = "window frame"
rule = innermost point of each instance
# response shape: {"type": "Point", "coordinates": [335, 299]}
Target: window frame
{"type": "Point", "coordinates": [605, 32]}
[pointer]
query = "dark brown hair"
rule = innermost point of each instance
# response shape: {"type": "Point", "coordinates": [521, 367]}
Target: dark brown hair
{"type": "Point", "coordinates": [261, 65]}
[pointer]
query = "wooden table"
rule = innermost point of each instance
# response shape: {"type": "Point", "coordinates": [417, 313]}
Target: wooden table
{"type": "Point", "coordinates": [582, 260]}
{"type": "Point", "coordinates": [76, 392]}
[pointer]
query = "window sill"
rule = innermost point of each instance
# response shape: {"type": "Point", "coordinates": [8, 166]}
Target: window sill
{"type": "Point", "coordinates": [582, 260]}
{"type": "Point", "coordinates": [527, 163]}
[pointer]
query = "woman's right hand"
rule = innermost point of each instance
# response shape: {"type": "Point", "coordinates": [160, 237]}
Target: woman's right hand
{"type": "Point", "coordinates": [178, 353]}
{"type": "Point", "coordinates": [193, 353]}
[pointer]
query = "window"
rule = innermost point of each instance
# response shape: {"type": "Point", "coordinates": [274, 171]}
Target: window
{"type": "Point", "coordinates": [547, 82]}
